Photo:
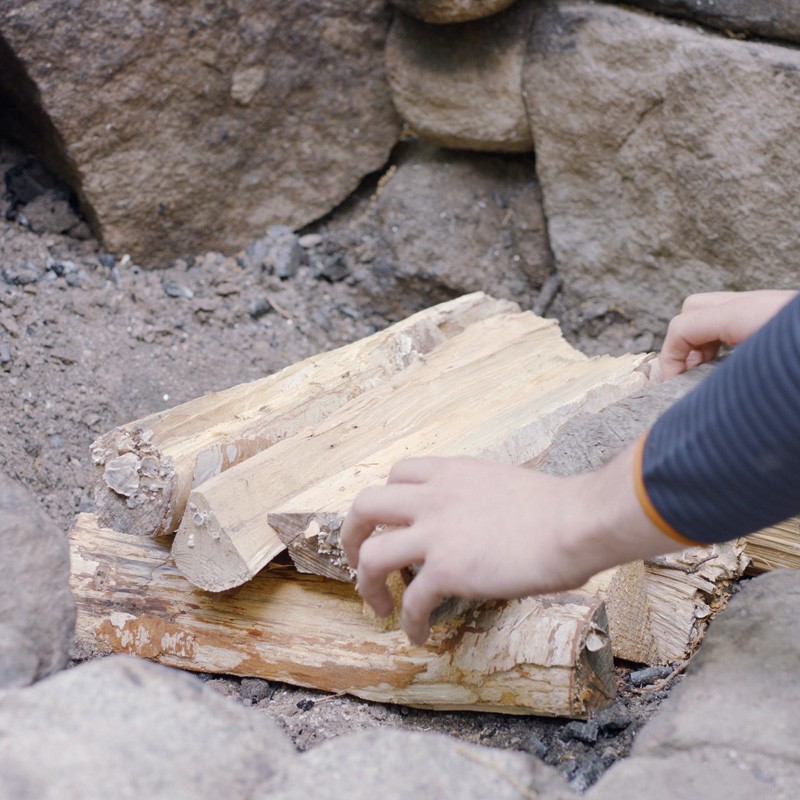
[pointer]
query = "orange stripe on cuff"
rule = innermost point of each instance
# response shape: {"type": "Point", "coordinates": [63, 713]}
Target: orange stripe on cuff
{"type": "Point", "coordinates": [646, 503]}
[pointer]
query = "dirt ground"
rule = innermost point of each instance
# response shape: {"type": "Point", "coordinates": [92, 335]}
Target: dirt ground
{"type": "Point", "coordinates": [89, 341]}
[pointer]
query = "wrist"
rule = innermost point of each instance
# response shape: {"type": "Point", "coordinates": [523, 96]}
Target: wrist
{"type": "Point", "coordinates": [607, 525]}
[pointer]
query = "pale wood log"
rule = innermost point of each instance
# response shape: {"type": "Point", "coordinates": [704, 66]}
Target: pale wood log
{"type": "Point", "coordinates": [549, 656]}
{"type": "Point", "coordinates": [499, 389]}
{"type": "Point", "coordinates": [774, 547]}
{"type": "Point", "coordinates": [147, 467]}
{"type": "Point", "coordinates": [658, 610]}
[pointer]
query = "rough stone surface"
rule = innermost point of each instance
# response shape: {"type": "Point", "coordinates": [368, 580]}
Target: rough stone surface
{"type": "Point", "coordinates": [667, 157]}
{"type": "Point", "coordinates": [447, 223]}
{"type": "Point", "coordinates": [447, 11]}
{"type": "Point", "coordinates": [37, 613]}
{"type": "Point", "coordinates": [19, 663]}
{"type": "Point", "coordinates": [190, 126]}
{"type": "Point", "coordinates": [731, 729]}
{"type": "Point", "coordinates": [460, 86]}
{"type": "Point", "coordinates": [777, 19]}
{"type": "Point", "coordinates": [125, 728]}
{"type": "Point", "coordinates": [399, 764]}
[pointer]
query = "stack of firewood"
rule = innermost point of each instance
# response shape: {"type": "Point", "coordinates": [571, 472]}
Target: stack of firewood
{"type": "Point", "coordinates": [254, 482]}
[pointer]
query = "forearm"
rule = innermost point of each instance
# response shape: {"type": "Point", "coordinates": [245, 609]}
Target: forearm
{"type": "Point", "coordinates": [725, 460]}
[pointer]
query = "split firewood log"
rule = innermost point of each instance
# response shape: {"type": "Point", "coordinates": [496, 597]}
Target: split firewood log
{"type": "Point", "coordinates": [549, 656]}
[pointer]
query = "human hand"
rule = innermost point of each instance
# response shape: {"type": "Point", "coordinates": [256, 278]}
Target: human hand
{"type": "Point", "coordinates": [711, 319]}
{"type": "Point", "coordinates": [479, 529]}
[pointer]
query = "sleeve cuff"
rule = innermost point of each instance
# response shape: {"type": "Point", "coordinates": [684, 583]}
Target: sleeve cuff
{"type": "Point", "coordinates": [646, 503]}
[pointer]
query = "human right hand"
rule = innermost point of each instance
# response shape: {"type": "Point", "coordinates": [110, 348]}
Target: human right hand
{"type": "Point", "coordinates": [478, 529]}
{"type": "Point", "coordinates": [711, 319]}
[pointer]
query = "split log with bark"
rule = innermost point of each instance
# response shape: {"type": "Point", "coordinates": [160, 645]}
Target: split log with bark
{"type": "Point", "coordinates": [549, 656]}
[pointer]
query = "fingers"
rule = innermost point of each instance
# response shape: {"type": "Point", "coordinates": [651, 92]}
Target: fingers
{"type": "Point", "coordinates": [692, 338]}
{"type": "Point", "coordinates": [707, 319]}
{"type": "Point", "coordinates": [697, 302]}
{"type": "Point", "coordinates": [419, 600]}
{"type": "Point", "coordinates": [382, 554]}
{"type": "Point", "coordinates": [376, 505]}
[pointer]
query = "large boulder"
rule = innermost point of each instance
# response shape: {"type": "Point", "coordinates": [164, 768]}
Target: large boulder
{"type": "Point", "coordinates": [667, 157]}
{"type": "Point", "coordinates": [37, 612]}
{"type": "Point", "coordinates": [460, 85]}
{"type": "Point", "coordinates": [448, 11]}
{"type": "Point", "coordinates": [193, 126]}
{"type": "Point", "coordinates": [778, 19]}
{"type": "Point", "coordinates": [731, 729]}
{"type": "Point", "coordinates": [401, 764]}
{"type": "Point", "coordinates": [125, 728]}
{"type": "Point", "coordinates": [446, 223]}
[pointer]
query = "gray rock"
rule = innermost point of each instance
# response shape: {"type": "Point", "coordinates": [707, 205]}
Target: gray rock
{"type": "Point", "coordinates": [255, 689]}
{"type": "Point", "coordinates": [667, 157]}
{"type": "Point", "coordinates": [173, 289]}
{"type": "Point", "coordinates": [256, 253]}
{"type": "Point", "coordinates": [126, 728]}
{"type": "Point", "coordinates": [239, 117]}
{"type": "Point", "coordinates": [284, 254]}
{"type": "Point", "coordinates": [334, 268]}
{"type": "Point", "coordinates": [18, 661]}
{"type": "Point", "coordinates": [456, 223]}
{"type": "Point", "coordinates": [613, 719]}
{"type": "Point", "coordinates": [778, 19]}
{"type": "Point", "coordinates": [448, 11]}
{"type": "Point", "coordinates": [50, 212]}
{"type": "Point", "coordinates": [34, 591]}
{"type": "Point", "coordinates": [586, 732]}
{"type": "Point", "coordinates": [731, 729]}
{"type": "Point", "coordinates": [21, 274]}
{"type": "Point", "coordinates": [643, 677]}
{"type": "Point", "coordinates": [399, 764]}
{"type": "Point", "coordinates": [310, 241]}
{"type": "Point", "coordinates": [460, 86]}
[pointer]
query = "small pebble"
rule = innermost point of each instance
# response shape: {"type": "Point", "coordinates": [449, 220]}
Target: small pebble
{"type": "Point", "coordinates": [581, 731]}
{"type": "Point", "coordinates": [5, 353]}
{"type": "Point", "coordinates": [310, 240]}
{"type": "Point", "coordinates": [643, 677]}
{"type": "Point", "coordinates": [335, 268]}
{"type": "Point", "coordinates": [350, 312]}
{"type": "Point", "coordinates": [61, 268]}
{"type": "Point", "coordinates": [172, 289]}
{"type": "Point", "coordinates": [613, 719]}
{"type": "Point", "coordinates": [535, 746]}
{"type": "Point", "coordinates": [21, 274]}
{"type": "Point", "coordinates": [74, 279]}
{"type": "Point", "coordinates": [255, 689]}
{"type": "Point", "coordinates": [259, 308]}
{"type": "Point", "coordinates": [305, 705]}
